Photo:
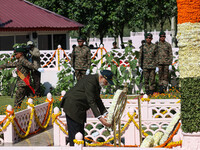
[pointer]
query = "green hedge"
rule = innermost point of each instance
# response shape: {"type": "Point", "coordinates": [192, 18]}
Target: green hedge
{"type": "Point", "coordinates": [190, 104]}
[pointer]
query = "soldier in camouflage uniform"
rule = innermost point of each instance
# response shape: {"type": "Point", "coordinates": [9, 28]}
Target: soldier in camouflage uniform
{"type": "Point", "coordinates": [36, 75]}
{"type": "Point", "coordinates": [165, 58]}
{"type": "Point", "coordinates": [148, 63]}
{"type": "Point", "coordinates": [23, 71]}
{"type": "Point", "coordinates": [81, 59]}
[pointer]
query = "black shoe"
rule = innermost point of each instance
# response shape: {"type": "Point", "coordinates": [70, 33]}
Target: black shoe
{"type": "Point", "coordinates": [151, 92]}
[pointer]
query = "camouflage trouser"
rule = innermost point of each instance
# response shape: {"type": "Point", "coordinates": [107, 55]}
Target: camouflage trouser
{"type": "Point", "coordinates": [36, 75]}
{"type": "Point", "coordinates": [163, 75]}
{"type": "Point", "coordinates": [21, 92]}
{"type": "Point", "coordinates": [149, 79]}
{"type": "Point", "coordinates": [79, 74]}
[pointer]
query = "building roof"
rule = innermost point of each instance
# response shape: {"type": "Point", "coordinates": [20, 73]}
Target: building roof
{"type": "Point", "coordinates": [21, 15]}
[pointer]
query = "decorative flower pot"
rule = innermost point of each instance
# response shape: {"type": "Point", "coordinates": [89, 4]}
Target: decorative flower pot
{"type": "Point", "coordinates": [191, 141]}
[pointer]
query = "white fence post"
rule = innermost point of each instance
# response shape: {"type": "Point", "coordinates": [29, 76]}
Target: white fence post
{"type": "Point", "coordinates": [9, 131]}
{"type": "Point", "coordinates": [62, 94]}
{"type": "Point", "coordinates": [131, 135]}
{"type": "Point", "coordinates": [33, 125]}
{"type": "Point", "coordinates": [78, 137]}
{"type": "Point", "coordinates": [56, 130]}
{"type": "Point", "coordinates": [49, 97]}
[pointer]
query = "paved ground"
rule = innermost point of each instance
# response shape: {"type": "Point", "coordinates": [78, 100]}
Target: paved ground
{"type": "Point", "coordinates": [44, 138]}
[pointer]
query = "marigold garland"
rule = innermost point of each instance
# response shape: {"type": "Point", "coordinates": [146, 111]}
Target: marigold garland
{"type": "Point", "coordinates": [145, 99]}
{"type": "Point", "coordinates": [174, 144]}
{"type": "Point", "coordinates": [188, 11]}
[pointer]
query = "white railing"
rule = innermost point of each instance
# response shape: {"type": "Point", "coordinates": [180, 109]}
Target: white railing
{"type": "Point", "coordinates": [23, 119]}
{"type": "Point", "coordinates": [46, 56]}
{"type": "Point", "coordinates": [153, 120]}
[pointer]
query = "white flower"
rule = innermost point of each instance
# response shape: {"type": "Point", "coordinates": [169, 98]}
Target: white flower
{"type": "Point", "coordinates": [170, 128]}
{"type": "Point", "coordinates": [112, 107]}
{"type": "Point", "coordinates": [148, 142]}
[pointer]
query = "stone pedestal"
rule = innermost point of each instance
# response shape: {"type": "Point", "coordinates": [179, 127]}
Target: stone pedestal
{"type": "Point", "coordinates": [191, 141]}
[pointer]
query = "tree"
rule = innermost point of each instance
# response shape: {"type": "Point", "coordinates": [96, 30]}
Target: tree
{"type": "Point", "coordinates": [93, 14]}
{"type": "Point", "coordinates": [57, 6]}
{"type": "Point", "coordinates": [122, 12]}
{"type": "Point", "coordinates": [164, 10]}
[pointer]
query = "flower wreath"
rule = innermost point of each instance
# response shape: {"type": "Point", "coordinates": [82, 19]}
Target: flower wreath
{"type": "Point", "coordinates": [117, 103]}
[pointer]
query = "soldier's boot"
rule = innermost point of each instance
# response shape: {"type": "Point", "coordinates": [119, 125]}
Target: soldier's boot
{"type": "Point", "coordinates": [151, 92]}
{"type": "Point", "coordinates": [164, 89]}
{"type": "Point", "coordinates": [161, 89]}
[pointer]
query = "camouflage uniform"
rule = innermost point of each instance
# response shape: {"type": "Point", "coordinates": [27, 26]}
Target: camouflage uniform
{"type": "Point", "coordinates": [24, 66]}
{"type": "Point", "coordinates": [149, 64]}
{"type": "Point", "coordinates": [81, 60]}
{"type": "Point", "coordinates": [36, 75]}
{"type": "Point", "coordinates": [165, 58]}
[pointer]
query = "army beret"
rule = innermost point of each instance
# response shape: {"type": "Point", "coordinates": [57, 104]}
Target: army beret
{"type": "Point", "coordinates": [148, 34]}
{"type": "Point", "coordinates": [80, 38]}
{"type": "Point", "coordinates": [19, 49]}
{"type": "Point", "coordinates": [162, 33]}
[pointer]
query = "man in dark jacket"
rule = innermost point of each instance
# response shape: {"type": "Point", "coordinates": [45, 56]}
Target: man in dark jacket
{"type": "Point", "coordinates": [84, 95]}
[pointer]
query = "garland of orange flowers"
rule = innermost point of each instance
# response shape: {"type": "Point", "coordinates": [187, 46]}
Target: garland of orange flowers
{"type": "Point", "coordinates": [65, 55]}
{"type": "Point", "coordinates": [10, 113]}
{"type": "Point", "coordinates": [50, 60]}
{"type": "Point", "coordinates": [170, 138]}
{"type": "Point", "coordinates": [34, 132]}
{"type": "Point", "coordinates": [188, 11]}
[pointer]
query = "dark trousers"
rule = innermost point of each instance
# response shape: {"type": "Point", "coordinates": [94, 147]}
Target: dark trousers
{"type": "Point", "coordinates": [163, 75]}
{"type": "Point", "coordinates": [79, 74]}
{"type": "Point", "coordinates": [36, 75]}
{"type": "Point", "coordinates": [149, 78]}
{"type": "Point", "coordinates": [21, 92]}
{"type": "Point", "coordinates": [73, 128]}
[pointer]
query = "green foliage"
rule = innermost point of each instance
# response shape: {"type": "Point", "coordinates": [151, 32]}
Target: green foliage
{"type": "Point", "coordinates": [108, 17]}
{"type": "Point", "coordinates": [122, 73]}
{"type": "Point", "coordinates": [6, 77]}
{"type": "Point", "coordinates": [65, 79]}
{"type": "Point", "coordinates": [190, 104]}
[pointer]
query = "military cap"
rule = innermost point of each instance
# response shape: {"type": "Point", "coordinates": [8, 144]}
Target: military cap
{"type": "Point", "coordinates": [108, 75]}
{"type": "Point", "coordinates": [148, 34]}
{"type": "Point", "coordinates": [30, 43]}
{"type": "Point", "coordinates": [80, 38]}
{"type": "Point", "coordinates": [19, 49]}
{"type": "Point", "coordinates": [162, 33]}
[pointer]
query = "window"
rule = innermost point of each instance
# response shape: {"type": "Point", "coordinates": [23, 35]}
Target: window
{"type": "Point", "coordinates": [6, 43]}
{"type": "Point", "coordinates": [44, 42]}
{"type": "Point", "coordinates": [59, 39]}
{"type": "Point", "coordinates": [21, 39]}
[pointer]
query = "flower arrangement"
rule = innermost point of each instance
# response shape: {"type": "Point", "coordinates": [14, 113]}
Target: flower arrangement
{"type": "Point", "coordinates": [145, 98]}
{"type": "Point", "coordinates": [157, 137]}
{"type": "Point", "coordinates": [189, 65]}
{"type": "Point", "coordinates": [148, 142]}
{"type": "Point", "coordinates": [112, 107]}
{"type": "Point", "coordinates": [170, 128]}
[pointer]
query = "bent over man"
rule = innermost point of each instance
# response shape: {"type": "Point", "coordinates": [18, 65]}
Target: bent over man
{"type": "Point", "coordinates": [84, 95]}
